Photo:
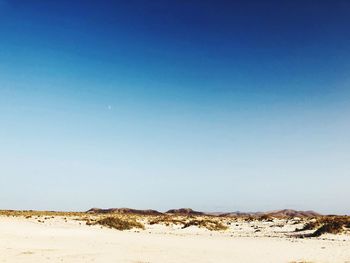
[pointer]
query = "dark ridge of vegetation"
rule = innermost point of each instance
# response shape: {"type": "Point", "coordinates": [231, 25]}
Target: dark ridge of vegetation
{"type": "Point", "coordinates": [331, 228]}
{"type": "Point", "coordinates": [119, 224]}
{"type": "Point", "coordinates": [30, 213]}
{"type": "Point", "coordinates": [326, 224]}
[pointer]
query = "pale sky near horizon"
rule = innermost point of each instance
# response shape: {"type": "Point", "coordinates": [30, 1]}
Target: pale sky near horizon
{"type": "Point", "coordinates": [213, 105]}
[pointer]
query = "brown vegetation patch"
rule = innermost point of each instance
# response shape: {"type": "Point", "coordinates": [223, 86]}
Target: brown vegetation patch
{"type": "Point", "coordinates": [205, 223]}
{"type": "Point", "coordinates": [167, 220]}
{"type": "Point", "coordinates": [119, 223]}
{"type": "Point", "coordinates": [187, 221]}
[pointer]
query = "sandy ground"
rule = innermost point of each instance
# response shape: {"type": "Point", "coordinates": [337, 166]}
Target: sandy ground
{"type": "Point", "coordinates": [58, 240]}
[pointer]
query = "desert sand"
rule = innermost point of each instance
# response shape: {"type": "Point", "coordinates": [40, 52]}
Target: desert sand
{"type": "Point", "coordinates": [68, 239]}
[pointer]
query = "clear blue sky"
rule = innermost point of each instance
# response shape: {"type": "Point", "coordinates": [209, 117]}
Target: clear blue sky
{"type": "Point", "coordinates": [213, 105]}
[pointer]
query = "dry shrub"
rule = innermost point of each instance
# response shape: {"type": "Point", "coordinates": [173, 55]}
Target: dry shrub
{"type": "Point", "coordinates": [266, 218]}
{"type": "Point", "coordinates": [167, 220]}
{"type": "Point", "coordinates": [208, 224]}
{"type": "Point", "coordinates": [309, 226]}
{"type": "Point", "coordinates": [187, 221]}
{"type": "Point", "coordinates": [119, 223]}
{"type": "Point", "coordinates": [249, 218]}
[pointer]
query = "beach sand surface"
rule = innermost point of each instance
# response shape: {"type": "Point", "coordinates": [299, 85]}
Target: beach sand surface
{"type": "Point", "coordinates": [67, 240]}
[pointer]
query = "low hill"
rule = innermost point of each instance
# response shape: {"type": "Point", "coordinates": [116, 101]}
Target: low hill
{"type": "Point", "coordinates": [292, 213]}
{"type": "Point", "coordinates": [184, 211]}
{"type": "Point", "coordinates": [276, 213]}
{"type": "Point", "coordinates": [123, 211]}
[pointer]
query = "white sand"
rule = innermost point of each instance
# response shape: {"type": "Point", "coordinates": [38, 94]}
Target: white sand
{"type": "Point", "coordinates": [26, 240]}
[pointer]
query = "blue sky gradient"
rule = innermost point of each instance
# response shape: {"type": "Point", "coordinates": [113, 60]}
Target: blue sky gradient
{"type": "Point", "coordinates": [214, 105]}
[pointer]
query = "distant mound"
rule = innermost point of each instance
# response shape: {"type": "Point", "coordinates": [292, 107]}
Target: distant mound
{"type": "Point", "coordinates": [292, 213]}
{"type": "Point", "coordinates": [236, 214]}
{"type": "Point", "coordinates": [285, 213]}
{"type": "Point", "coordinates": [184, 211]}
{"type": "Point", "coordinates": [123, 211]}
